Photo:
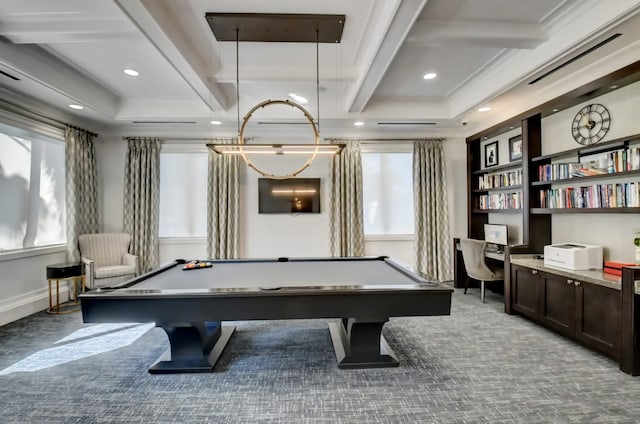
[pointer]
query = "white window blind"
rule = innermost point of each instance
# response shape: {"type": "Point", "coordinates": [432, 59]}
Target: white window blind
{"type": "Point", "coordinates": [183, 195]}
{"type": "Point", "coordinates": [32, 190]}
{"type": "Point", "coordinates": [387, 193]}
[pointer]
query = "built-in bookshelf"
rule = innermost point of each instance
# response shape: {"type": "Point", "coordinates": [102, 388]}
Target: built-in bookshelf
{"type": "Point", "coordinates": [599, 179]}
{"type": "Point", "coordinates": [571, 180]}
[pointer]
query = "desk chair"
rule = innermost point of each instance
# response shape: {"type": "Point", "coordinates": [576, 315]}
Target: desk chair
{"type": "Point", "coordinates": [474, 263]}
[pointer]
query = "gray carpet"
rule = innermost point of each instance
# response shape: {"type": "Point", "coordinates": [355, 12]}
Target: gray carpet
{"type": "Point", "coordinates": [476, 366]}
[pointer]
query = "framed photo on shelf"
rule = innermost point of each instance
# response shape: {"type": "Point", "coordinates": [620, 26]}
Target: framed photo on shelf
{"type": "Point", "coordinates": [491, 154]}
{"type": "Point", "coordinates": [515, 148]}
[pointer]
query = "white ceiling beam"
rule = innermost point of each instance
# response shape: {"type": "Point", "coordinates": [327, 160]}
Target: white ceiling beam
{"type": "Point", "coordinates": [38, 31]}
{"type": "Point", "coordinates": [36, 64]}
{"type": "Point", "coordinates": [170, 28]}
{"type": "Point", "coordinates": [514, 35]}
{"type": "Point", "coordinates": [403, 19]}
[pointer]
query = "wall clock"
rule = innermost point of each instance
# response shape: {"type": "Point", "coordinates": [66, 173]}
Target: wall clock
{"type": "Point", "coordinates": [591, 124]}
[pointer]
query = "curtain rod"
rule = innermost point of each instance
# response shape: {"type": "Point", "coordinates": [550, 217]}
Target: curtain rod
{"type": "Point", "coordinates": [170, 139]}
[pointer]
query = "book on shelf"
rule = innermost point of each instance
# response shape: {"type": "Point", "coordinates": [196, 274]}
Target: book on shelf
{"type": "Point", "coordinates": [618, 195]}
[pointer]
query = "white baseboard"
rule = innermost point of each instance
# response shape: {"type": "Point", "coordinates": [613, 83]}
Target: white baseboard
{"type": "Point", "coordinates": [21, 306]}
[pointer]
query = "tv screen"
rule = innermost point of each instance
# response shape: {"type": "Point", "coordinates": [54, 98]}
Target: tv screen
{"type": "Point", "coordinates": [292, 195]}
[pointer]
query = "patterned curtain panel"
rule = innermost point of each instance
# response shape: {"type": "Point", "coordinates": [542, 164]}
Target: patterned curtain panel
{"type": "Point", "coordinates": [431, 214]}
{"type": "Point", "coordinates": [345, 209]}
{"type": "Point", "coordinates": [223, 204]}
{"type": "Point", "coordinates": [81, 188]}
{"type": "Point", "coordinates": [142, 199]}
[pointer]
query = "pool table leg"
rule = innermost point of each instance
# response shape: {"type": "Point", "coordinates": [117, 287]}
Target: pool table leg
{"type": "Point", "coordinates": [361, 345]}
{"type": "Point", "coordinates": [194, 348]}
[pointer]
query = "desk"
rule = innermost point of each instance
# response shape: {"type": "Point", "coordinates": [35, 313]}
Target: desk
{"type": "Point", "coordinates": [191, 305]}
{"type": "Point", "coordinates": [60, 272]}
{"type": "Point", "coordinates": [459, 271]}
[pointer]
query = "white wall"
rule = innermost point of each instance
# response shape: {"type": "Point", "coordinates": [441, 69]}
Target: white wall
{"type": "Point", "coordinates": [455, 156]}
{"type": "Point", "coordinates": [613, 231]}
{"type": "Point", "coordinates": [264, 235]}
{"type": "Point", "coordinates": [23, 282]}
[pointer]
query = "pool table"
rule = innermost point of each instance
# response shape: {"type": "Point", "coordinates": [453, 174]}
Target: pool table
{"type": "Point", "coordinates": [190, 305]}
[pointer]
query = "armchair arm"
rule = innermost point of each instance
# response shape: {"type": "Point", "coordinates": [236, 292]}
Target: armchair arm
{"type": "Point", "coordinates": [89, 272]}
{"type": "Point", "coordinates": [129, 259]}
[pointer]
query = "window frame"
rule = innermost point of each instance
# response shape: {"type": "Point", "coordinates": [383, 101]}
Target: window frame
{"type": "Point", "coordinates": [26, 124]}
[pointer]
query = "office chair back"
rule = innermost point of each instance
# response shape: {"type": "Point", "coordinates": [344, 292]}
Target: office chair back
{"type": "Point", "coordinates": [475, 265]}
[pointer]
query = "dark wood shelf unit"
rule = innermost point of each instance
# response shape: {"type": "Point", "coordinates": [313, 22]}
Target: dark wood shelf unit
{"type": "Point", "coordinates": [486, 211]}
{"type": "Point", "coordinates": [601, 147]}
{"type": "Point", "coordinates": [576, 180]}
{"type": "Point", "coordinates": [498, 168]}
{"type": "Point", "coordinates": [551, 211]}
{"type": "Point", "coordinates": [601, 318]}
{"type": "Point", "coordinates": [536, 222]}
{"type": "Point", "coordinates": [510, 188]}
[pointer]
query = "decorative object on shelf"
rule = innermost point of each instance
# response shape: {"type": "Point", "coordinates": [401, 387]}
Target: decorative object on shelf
{"type": "Point", "coordinates": [515, 148]}
{"type": "Point", "coordinates": [491, 154]}
{"type": "Point", "coordinates": [591, 124]}
{"type": "Point", "coordinates": [277, 28]}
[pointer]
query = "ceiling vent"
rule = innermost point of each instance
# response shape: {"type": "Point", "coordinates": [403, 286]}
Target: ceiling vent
{"type": "Point", "coordinates": [164, 122]}
{"type": "Point", "coordinates": [573, 59]}
{"type": "Point", "coordinates": [9, 76]}
{"type": "Point", "coordinates": [406, 123]}
{"type": "Point", "coordinates": [283, 122]}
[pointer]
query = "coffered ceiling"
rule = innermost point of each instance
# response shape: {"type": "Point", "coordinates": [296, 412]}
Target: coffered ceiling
{"type": "Point", "coordinates": [484, 52]}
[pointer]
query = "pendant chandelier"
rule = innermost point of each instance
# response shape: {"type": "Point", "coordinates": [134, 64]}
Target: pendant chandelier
{"type": "Point", "coordinates": [277, 28]}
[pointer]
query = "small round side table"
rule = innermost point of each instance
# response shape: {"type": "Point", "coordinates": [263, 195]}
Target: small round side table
{"type": "Point", "coordinates": [65, 271]}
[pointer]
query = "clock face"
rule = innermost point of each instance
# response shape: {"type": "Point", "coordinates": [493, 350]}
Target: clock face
{"type": "Point", "coordinates": [591, 124]}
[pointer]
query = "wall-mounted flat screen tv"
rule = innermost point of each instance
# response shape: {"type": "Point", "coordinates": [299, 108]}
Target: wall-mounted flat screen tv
{"type": "Point", "coordinates": [291, 195]}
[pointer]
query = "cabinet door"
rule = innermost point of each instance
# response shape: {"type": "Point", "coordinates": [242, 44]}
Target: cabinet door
{"type": "Point", "coordinates": [598, 317]}
{"type": "Point", "coordinates": [524, 291]}
{"type": "Point", "coordinates": [557, 309]}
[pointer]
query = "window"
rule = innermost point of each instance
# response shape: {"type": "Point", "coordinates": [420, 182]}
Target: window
{"type": "Point", "coordinates": [387, 180]}
{"type": "Point", "coordinates": [32, 188]}
{"type": "Point", "coordinates": [183, 194]}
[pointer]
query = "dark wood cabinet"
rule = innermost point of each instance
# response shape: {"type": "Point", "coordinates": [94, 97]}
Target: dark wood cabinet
{"type": "Point", "coordinates": [525, 288]}
{"type": "Point", "coordinates": [557, 306]}
{"type": "Point", "coordinates": [598, 317]}
{"type": "Point", "coordinates": [585, 312]}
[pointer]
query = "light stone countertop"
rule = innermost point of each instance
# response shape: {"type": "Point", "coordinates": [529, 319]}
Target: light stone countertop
{"type": "Point", "coordinates": [594, 276]}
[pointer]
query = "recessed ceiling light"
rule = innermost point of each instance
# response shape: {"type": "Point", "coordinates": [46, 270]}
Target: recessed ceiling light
{"type": "Point", "coordinates": [131, 72]}
{"type": "Point", "coordinates": [298, 99]}
{"type": "Point", "coordinates": [614, 87]}
{"type": "Point", "coordinates": [554, 110]}
{"type": "Point", "coordinates": [216, 123]}
{"type": "Point", "coordinates": [358, 123]}
{"type": "Point", "coordinates": [430, 75]}
{"type": "Point", "coordinates": [77, 107]}
{"type": "Point", "coordinates": [484, 109]}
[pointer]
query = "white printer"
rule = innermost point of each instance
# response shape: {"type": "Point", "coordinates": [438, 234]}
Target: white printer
{"type": "Point", "coordinates": [573, 256]}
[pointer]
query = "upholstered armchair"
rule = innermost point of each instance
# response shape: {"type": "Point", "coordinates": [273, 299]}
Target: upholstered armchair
{"type": "Point", "coordinates": [107, 259]}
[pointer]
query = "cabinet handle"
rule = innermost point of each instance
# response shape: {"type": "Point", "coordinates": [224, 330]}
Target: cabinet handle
{"type": "Point", "coordinates": [577, 283]}
{"type": "Point", "coordinates": [570, 281]}
{"type": "Point", "coordinates": [534, 272]}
